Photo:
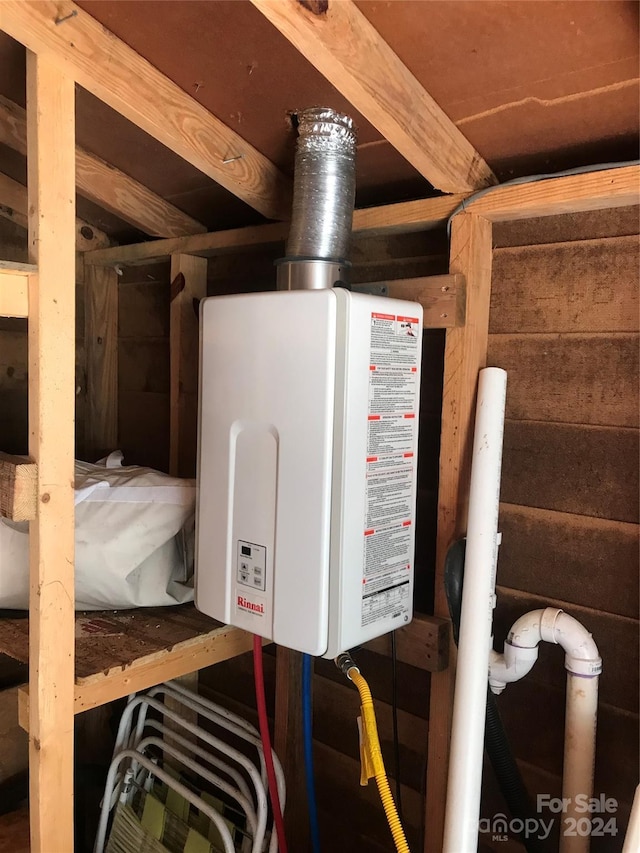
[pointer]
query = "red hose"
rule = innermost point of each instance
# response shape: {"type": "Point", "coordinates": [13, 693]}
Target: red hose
{"type": "Point", "coordinates": [266, 743]}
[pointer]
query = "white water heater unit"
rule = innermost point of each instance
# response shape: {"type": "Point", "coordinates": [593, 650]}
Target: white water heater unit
{"type": "Point", "coordinates": [308, 439]}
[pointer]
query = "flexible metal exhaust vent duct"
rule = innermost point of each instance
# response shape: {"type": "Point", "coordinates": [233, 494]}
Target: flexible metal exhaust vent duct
{"type": "Point", "coordinates": [323, 199]}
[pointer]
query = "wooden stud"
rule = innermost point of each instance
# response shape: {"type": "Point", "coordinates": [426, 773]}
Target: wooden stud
{"type": "Point", "coordinates": [572, 194]}
{"type": "Point", "coordinates": [113, 72]}
{"type": "Point", "coordinates": [103, 184]}
{"type": "Point", "coordinates": [465, 356]}
{"type": "Point", "coordinates": [342, 44]}
{"type": "Point", "coordinates": [288, 740]}
{"type": "Point", "coordinates": [188, 287]}
{"type": "Point", "coordinates": [101, 346]}
{"type": "Point", "coordinates": [18, 483]}
{"type": "Point", "coordinates": [51, 142]}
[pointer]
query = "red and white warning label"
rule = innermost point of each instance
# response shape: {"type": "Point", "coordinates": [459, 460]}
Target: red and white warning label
{"type": "Point", "coordinates": [391, 442]}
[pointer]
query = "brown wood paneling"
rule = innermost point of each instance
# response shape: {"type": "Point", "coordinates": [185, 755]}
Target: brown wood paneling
{"type": "Point", "coordinates": [338, 788]}
{"type": "Point", "coordinates": [586, 225]}
{"type": "Point", "coordinates": [336, 708]}
{"type": "Point", "coordinates": [143, 365]}
{"type": "Point", "coordinates": [533, 715]}
{"type": "Point", "coordinates": [143, 427]}
{"type": "Point", "coordinates": [144, 309]}
{"type": "Point", "coordinates": [570, 557]}
{"type": "Point", "coordinates": [615, 636]}
{"type": "Point", "coordinates": [585, 470]}
{"type": "Point", "coordinates": [588, 379]}
{"type": "Point", "coordinates": [588, 286]}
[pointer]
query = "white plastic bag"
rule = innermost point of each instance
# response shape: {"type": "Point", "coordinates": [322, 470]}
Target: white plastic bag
{"type": "Point", "coordinates": [134, 540]}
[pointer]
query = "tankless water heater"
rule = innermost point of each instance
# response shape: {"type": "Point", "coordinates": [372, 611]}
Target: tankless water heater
{"type": "Point", "coordinates": [308, 439]}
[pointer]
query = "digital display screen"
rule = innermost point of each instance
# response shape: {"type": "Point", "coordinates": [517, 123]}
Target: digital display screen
{"type": "Point", "coordinates": [245, 550]}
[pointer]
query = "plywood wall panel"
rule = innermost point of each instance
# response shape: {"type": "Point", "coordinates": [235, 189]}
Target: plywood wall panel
{"type": "Point", "coordinates": [585, 379]}
{"type": "Point", "coordinates": [584, 470]}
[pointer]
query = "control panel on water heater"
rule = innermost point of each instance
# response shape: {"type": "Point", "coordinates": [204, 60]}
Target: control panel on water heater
{"type": "Point", "coordinates": [308, 439]}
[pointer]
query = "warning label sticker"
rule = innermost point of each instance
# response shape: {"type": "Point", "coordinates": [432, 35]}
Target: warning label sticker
{"type": "Point", "coordinates": [391, 436]}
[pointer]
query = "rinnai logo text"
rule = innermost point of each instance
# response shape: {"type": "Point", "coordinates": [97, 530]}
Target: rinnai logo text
{"type": "Point", "coordinates": [245, 604]}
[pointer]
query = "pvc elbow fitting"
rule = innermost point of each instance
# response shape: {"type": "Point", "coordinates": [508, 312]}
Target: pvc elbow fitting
{"type": "Point", "coordinates": [514, 664]}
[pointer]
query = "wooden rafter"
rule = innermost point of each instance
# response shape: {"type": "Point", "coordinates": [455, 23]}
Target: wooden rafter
{"type": "Point", "coordinates": [107, 186]}
{"type": "Point", "coordinates": [342, 44]}
{"type": "Point", "coordinates": [14, 207]}
{"type": "Point", "coordinates": [113, 72]}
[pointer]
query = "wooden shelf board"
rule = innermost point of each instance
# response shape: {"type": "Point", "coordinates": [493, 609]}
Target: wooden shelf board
{"type": "Point", "coordinates": [121, 652]}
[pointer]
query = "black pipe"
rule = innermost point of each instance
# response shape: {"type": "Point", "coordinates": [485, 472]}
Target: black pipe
{"type": "Point", "coordinates": [496, 743]}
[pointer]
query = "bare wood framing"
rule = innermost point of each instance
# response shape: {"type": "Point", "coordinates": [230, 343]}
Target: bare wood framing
{"type": "Point", "coordinates": [465, 355]}
{"type": "Point", "coordinates": [424, 643]}
{"type": "Point", "coordinates": [14, 293]}
{"type": "Point", "coordinates": [441, 297]}
{"type": "Point", "coordinates": [342, 44]}
{"type": "Point", "coordinates": [386, 219]}
{"type": "Point", "coordinates": [105, 185]}
{"type": "Point", "coordinates": [18, 484]}
{"type": "Point", "coordinates": [14, 207]}
{"type": "Point", "coordinates": [116, 74]}
{"type": "Point", "coordinates": [188, 287]}
{"type": "Point", "coordinates": [101, 346]}
{"type": "Point", "coordinates": [219, 644]}
{"type": "Point", "coordinates": [554, 196]}
{"type": "Point", "coordinates": [288, 740]}
{"type": "Point", "coordinates": [51, 143]}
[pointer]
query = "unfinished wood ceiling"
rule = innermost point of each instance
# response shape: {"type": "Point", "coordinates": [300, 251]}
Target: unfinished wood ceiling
{"type": "Point", "coordinates": [533, 86]}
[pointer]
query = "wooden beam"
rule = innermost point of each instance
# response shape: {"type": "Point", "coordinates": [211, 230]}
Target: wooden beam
{"type": "Point", "coordinates": [554, 196]}
{"type": "Point", "coordinates": [341, 43]}
{"type": "Point", "coordinates": [14, 292]}
{"type": "Point", "coordinates": [14, 207]}
{"type": "Point", "coordinates": [18, 482]}
{"type": "Point", "coordinates": [113, 72]}
{"type": "Point", "coordinates": [441, 297]}
{"type": "Point", "coordinates": [50, 133]}
{"type": "Point", "coordinates": [373, 221]}
{"type": "Point", "coordinates": [465, 355]}
{"type": "Point", "coordinates": [424, 643]}
{"type": "Point", "coordinates": [188, 287]}
{"type": "Point", "coordinates": [101, 347]}
{"type": "Point", "coordinates": [105, 185]}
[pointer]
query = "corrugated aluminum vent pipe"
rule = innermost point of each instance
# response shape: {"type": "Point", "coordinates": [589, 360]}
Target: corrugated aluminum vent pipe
{"type": "Point", "coordinates": [323, 199]}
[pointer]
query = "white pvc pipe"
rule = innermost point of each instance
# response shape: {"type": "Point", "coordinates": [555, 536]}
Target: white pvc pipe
{"type": "Point", "coordinates": [584, 665]}
{"type": "Point", "coordinates": [579, 761]}
{"type": "Point", "coordinates": [632, 838]}
{"type": "Point", "coordinates": [478, 598]}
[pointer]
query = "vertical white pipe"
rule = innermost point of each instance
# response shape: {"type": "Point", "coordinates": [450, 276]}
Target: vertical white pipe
{"type": "Point", "coordinates": [470, 701]}
{"type": "Point", "coordinates": [632, 838]}
{"type": "Point", "coordinates": [579, 760]}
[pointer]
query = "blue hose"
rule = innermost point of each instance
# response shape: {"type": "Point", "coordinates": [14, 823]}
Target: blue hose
{"type": "Point", "coordinates": [307, 726]}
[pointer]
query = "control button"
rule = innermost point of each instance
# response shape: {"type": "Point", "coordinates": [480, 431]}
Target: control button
{"type": "Point", "coordinates": [257, 582]}
{"type": "Point", "coordinates": [244, 567]}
